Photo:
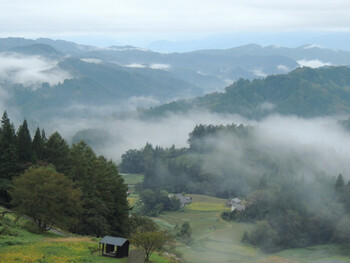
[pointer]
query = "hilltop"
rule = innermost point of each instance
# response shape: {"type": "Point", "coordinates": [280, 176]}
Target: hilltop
{"type": "Point", "coordinates": [304, 92]}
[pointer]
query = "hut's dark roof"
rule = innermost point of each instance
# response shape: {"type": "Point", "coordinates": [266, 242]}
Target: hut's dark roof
{"type": "Point", "coordinates": [116, 241]}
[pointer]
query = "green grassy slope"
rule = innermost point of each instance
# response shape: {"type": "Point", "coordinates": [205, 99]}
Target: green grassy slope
{"type": "Point", "coordinates": [18, 243]}
{"type": "Point", "coordinates": [132, 179]}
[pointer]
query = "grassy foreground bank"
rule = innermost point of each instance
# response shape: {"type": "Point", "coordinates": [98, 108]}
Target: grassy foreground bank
{"type": "Point", "coordinates": [20, 243]}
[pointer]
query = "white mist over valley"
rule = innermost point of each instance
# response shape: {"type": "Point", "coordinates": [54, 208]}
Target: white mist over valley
{"type": "Point", "coordinates": [175, 131]}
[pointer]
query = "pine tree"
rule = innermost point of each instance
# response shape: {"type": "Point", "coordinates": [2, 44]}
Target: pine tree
{"type": "Point", "coordinates": [38, 145]}
{"type": "Point", "coordinates": [44, 140]}
{"type": "Point", "coordinates": [57, 151]}
{"type": "Point", "coordinates": [9, 163]}
{"type": "Point", "coordinates": [24, 143]}
{"type": "Point", "coordinates": [340, 182]}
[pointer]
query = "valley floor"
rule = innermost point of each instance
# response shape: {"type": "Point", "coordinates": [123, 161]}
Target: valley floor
{"type": "Point", "coordinates": [219, 241]}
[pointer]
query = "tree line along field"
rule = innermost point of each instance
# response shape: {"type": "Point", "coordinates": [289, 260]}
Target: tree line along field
{"type": "Point", "coordinates": [216, 240]}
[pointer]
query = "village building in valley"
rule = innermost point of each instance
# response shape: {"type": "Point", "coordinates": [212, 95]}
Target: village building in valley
{"type": "Point", "coordinates": [236, 204]}
{"type": "Point", "coordinates": [184, 200]}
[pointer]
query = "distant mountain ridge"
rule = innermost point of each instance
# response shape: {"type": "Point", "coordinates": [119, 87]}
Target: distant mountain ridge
{"type": "Point", "coordinates": [70, 73]}
{"type": "Point", "coordinates": [39, 50]}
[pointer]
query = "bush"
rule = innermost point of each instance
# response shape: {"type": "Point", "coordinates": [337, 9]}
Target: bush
{"type": "Point", "coordinates": [263, 236]}
{"type": "Point", "coordinates": [32, 228]}
{"type": "Point", "coordinates": [8, 231]}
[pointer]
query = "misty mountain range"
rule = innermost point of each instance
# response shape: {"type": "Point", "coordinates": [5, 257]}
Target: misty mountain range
{"type": "Point", "coordinates": [42, 77]}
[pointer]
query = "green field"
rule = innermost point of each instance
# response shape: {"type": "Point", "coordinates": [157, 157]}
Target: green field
{"type": "Point", "coordinates": [76, 249]}
{"type": "Point", "coordinates": [215, 240]}
{"type": "Point", "coordinates": [132, 179]}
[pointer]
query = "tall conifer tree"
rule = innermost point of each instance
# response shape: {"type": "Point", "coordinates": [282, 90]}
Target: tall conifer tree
{"type": "Point", "coordinates": [38, 145]}
{"type": "Point", "coordinates": [9, 163]}
{"type": "Point", "coordinates": [24, 143]}
{"type": "Point", "coordinates": [57, 151]}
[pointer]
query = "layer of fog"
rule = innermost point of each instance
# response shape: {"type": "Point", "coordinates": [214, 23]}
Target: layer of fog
{"type": "Point", "coordinates": [30, 71]}
{"type": "Point", "coordinates": [132, 133]}
{"type": "Point", "coordinates": [4, 96]}
{"type": "Point", "coordinates": [313, 63]}
{"type": "Point", "coordinates": [159, 66]}
{"type": "Point", "coordinates": [284, 144]}
{"type": "Point", "coordinates": [259, 73]}
{"type": "Point", "coordinates": [283, 68]}
{"type": "Point", "coordinates": [91, 60]}
{"type": "Point", "coordinates": [321, 143]}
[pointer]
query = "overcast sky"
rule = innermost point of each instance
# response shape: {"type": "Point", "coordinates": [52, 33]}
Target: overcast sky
{"type": "Point", "coordinates": [149, 20]}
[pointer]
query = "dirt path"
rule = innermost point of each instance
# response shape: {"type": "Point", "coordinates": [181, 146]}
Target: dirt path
{"type": "Point", "coordinates": [136, 256]}
{"type": "Point", "coordinates": [68, 239]}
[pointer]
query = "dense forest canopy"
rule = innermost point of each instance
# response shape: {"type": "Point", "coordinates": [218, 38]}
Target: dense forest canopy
{"type": "Point", "coordinates": [304, 92]}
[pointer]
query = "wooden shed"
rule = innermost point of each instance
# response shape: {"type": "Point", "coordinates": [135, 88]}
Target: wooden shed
{"type": "Point", "coordinates": [114, 247]}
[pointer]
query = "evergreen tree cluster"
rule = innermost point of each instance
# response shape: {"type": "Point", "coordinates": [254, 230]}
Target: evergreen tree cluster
{"type": "Point", "coordinates": [154, 202]}
{"type": "Point", "coordinates": [183, 170]}
{"type": "Point", "coordinates": [104, 210]}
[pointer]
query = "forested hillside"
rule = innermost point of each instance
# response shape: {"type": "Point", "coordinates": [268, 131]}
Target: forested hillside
{"type": "Point", "coordinates": [60, 185]}
{"type": "Point", "coordinates": [92, 84]}
{"type": "Point", "coordinates": [304, 92]}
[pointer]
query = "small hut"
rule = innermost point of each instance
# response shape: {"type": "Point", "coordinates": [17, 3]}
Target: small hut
{"type": "Point", "coordinates": [114, 247]}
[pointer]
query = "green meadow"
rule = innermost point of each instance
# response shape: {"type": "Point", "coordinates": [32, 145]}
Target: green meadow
{"type": "Point", "coordinates": [132, 179]}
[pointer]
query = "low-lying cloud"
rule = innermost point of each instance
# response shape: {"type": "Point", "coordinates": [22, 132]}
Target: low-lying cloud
{"type": "Point", "coordinates": [321, 143]}
{"type": "Point", "coordinates": [128, 132]}
{"type": "Point", "coordinates": [136, 65]}
{"type": "Point", "coordinates": [91, 60]}
{"type": "Point", "coordinates": [283, 68]}
{"type": "Point", "coordinates": [30, 71]}
{"type": "Point", "coordinates": [259, 73]}
{"type": "Point", "coordinates": [160, 66]}
{"type": "Point", "coordinates": [313, 63]}
{"type": "Point", "coordinates": [267, 106]}
{"type": "Point", "coordinates": [4, 96]}
{"type": "Point", "coordinates": [151, 66]}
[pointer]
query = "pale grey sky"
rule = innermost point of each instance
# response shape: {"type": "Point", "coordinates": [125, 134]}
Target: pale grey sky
{"type": "Point", "coordinates": [165, 19]}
